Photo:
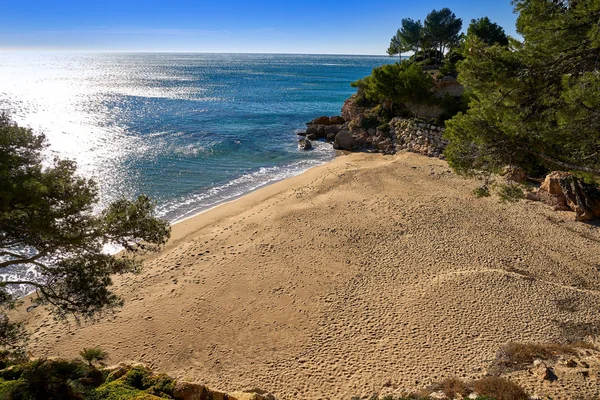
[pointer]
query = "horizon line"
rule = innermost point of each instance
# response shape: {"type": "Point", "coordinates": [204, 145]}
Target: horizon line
{"type": "Point", "coordinates": [46, 50]}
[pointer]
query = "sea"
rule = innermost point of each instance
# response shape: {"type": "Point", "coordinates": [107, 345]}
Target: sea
{"type": "Point", "coordinates": [189, 130]}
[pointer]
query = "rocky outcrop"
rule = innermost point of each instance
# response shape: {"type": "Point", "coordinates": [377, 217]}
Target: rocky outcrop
{"type": "Point", "coordinates": [350, 109]}
{"type": "Point", "coordinates": [189, 391]}
{"type": "Point", "coordinates": [582, 198]}
{"type": "Point", "coordinates": [564, 191]}
{"type": "Point", "coordinates": [323, 128]}
{"type": "Point", "coordinates": [360, 134]}
{"type": "Point", "coordinates": [193, 391]}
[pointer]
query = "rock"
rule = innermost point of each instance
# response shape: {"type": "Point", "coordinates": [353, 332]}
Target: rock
{"type": "Point", "coordinates": [312, 136]}
{"type": "Point", "coordinates": [582, 198]}
{"type": "Point", "coordinates": [336, 120]}
{"type": "Point", "coordinates": [438, 396]}
{"type": "Point", "coordinates": [563, 191]}
{"type": "Point", "coordinates": [542, 371]}
{"type": "Point", "coordinates": [330, 137]}
{"type": "Point", "coordinates": [189, 391]}
{"type": "Point", "coordinates": [318, 130]}
{"type": "Point", "coordinates": [350, 110]}
{"type": "Point", "coordinates": [304, 144]}
{"type": "Point", "coordinates": [552, 182]}
{"type": "Point", "coordinates": [344, 140]}
{"type": "Point", "coordinates": [332, 129]}
{"type": "Point", "coordinates": [320, 121]}
{"type": "Point", "coordinates": [301, 133]}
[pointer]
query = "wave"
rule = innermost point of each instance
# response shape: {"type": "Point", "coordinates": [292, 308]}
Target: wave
{"type": "Point", "coordinates": [188, 206]}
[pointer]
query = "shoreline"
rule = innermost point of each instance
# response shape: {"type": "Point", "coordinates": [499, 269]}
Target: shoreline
{"type": "Point", "coordinates": [262, 186]}
{"type": "Point", "coordinates": [183, 228]}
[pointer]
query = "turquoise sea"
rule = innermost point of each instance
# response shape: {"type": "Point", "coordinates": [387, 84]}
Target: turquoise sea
{"type": "Point", "coordinates": [190, 130]}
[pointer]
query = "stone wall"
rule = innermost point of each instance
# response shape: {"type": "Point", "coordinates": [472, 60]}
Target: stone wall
{"type": "Point", "coordinates": [418, 137]}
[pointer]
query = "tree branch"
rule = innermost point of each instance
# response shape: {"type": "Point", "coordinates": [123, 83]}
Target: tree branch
{"type": "Point", "coordinates": [562, 163]}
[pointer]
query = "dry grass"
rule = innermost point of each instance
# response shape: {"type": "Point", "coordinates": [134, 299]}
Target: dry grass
{"type": "Point", "coordinates": [516, 356]}
{"type": "Point", "coordinates": [499, 389]}
{"type": "Point", "coordinates": [452, 387]}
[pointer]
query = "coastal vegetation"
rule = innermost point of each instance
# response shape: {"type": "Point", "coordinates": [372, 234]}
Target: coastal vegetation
{"type": "Point", "coordinates": [48, 220]}
{"type": "Point", "coordinates": [534, 103]}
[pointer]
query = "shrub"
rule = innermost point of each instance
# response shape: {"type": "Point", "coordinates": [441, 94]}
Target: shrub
{"type": "Point", "coordinates": [454, 386]}
{"type": "Point", "coordinates": [500, 389]}
{"type": "Point", "coordinates": [452, 105]}
{"type": "Point", "coordinates": [481, 191]}
{"type": "Point", "coordinates": [515, 356]}
{"type": "Point", "coordinates": [384, 127]}
{"type": "Point", "coordinates": [370, 121]}
{"type": "Point", "coordinates": [139, 377]}
{"type": "Point", "coordinates": [9, 389]}
{"type": "Point", "coordinates": [93, 355]}
{"type": "Point", "coordinates": [510, 193]}
{"type": "Point", "coordinates": [117, 390]}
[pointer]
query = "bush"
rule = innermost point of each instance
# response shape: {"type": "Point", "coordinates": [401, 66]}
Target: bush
{"type": "Point", "coordinates": [454, 386]}
{"type": "Point", "coordinates": [500, 389]}
{"type": "Point", "coordinates": [118, 390]}
{"type": "Point", "coordinates": [93, 355]}
{"type": "Point", "coordinates": [9, 389]}
{"type": "Point", "coordinates": [516, 356]}
{"type": "Point", "coordinates": [138, 377]}
{"type": "Point", "coordinates": [481, 191]}
{"type": "Point", "coordinates": [510, 193]}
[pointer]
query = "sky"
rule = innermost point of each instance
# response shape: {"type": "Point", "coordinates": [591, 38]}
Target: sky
{"type": "Point", "coordinates": [224, 26]}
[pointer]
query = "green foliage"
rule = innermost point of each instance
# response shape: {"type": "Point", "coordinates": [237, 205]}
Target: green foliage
{"type": "Point", "coordinates": [93, 355]}
{"type": "Point", "coordinates": [510, 193]}
{"type": "Point", "coordinates": [488, 32]}
{"type": "Point", "coordinates": [534, 103]}
{"type": "Point", "coordinates": [119, 390]}
{"type": "Point", "coordinates": [481, 191]}
{"type": "Point", "coordinates": [442, 29]}
{"type": "Point", "coordinates": [384, 127]}
{"type": "Point", "coordinates": [139, 377]}
{"type": "Point", "coordinates": [47, 220]}
{"type": "Point", "coordinates": [408, 37]}
{"type": "Point", "coordinates": [10, 390]}
{"type": "Point", "coordinates": [429, 40]}
{"type": "Point", "coordinates": [397, 83]}
{"type": "Point", "coordinates": [452, 106]}
{"type": "Point", "coordinates": [63, 379]}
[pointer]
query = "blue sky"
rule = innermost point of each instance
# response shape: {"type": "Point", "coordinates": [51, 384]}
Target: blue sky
{"type": "Point", "coordinates": [309, 26]}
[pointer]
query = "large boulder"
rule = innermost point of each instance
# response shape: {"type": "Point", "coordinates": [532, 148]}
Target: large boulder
{"type": "Point", "coordinates": [552, 182]}
{"type": "Point", "coordinates": [336, 120]}
{"type": "Point", "coordinates": [344, 141]}
{"type": "Point", "coordinates": [582, 198]}
{"type": "Point", "coordinates": [320, 121]}
{"type": "Point", "coordinates": [564, 191]}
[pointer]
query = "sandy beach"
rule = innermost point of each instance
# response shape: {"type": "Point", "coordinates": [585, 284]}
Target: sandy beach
{"type": "Point", "coordinates": [369, 274]}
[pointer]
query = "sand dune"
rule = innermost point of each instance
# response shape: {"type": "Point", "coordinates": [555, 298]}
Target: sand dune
{"type": "Point", "coordinates": [367, 274]}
